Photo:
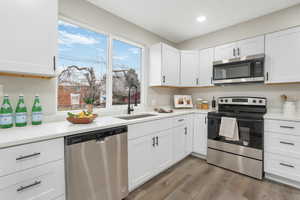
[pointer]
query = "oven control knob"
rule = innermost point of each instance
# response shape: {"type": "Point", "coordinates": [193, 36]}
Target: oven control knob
{"type": "Point", "coordinates": [260, 101]}
{"type": "Point", "coordinates": [221, 100]}
{"type": "Point", "coordinates": [226, 100]}
{"type": "Point", "coordinates": [254, 101]}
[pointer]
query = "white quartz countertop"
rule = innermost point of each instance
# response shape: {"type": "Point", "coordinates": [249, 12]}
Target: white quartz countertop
{"type": "Point", "coordinates": [281, 116]}
{"type": "Point", "coordinates": [23, 135]}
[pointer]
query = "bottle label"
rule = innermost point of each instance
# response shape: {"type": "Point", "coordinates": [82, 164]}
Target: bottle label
{"type": "Point", "coordinates": [37, 116]}
{"type": "Point", "coordinates": [5, 106]}
{"type": "Point", "coordinates": [6, 119]}
{"type": "Point", "coordinates": [21, 118]}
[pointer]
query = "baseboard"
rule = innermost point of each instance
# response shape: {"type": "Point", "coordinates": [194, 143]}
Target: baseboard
{"type": "Point", "coordinates": [199, 156]}
{"type": "Point", "coordinates": [282, 180]}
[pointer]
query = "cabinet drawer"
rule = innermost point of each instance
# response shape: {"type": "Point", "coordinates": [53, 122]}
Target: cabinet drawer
{"type": "Point", "coordinates": [45, 182]}
{"type": "Point", "coordinates": [283, 144]}
{"type": "Point", "coordinates": [147, 128]}
{"type": "Point", "coordinates": [287, 127]}
{"type": "Point", "coordinates": [180, 120]}
{"type": "Point", "coordinates": [30, 155]}
{"type": "Point", "coordinates": [282, 166]}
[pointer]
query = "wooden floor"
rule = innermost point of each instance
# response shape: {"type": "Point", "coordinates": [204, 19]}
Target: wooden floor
{"type": "Point", "coordinates": [194, 179]}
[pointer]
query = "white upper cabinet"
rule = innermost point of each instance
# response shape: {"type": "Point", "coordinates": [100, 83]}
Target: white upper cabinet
{"type": "Point", "coordinates": [189, 68]}
{"type": "Point", "coordinates": [248, 47]}
{"type": "Point", "coordinates": [252, 46]}
{"type": "Point", "coordinates": [227, 51]}
{"type": "Point", "coordinates": [282, 61]}
{"type": "Point", "coordinates": [206, 67]}
{"type": "Point", "coordinates": [164, 65]}
{"type": "Point", "coordinates": [28, 36]}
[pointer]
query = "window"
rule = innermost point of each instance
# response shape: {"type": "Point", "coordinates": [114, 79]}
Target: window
{"type": "Point", "coordinates": [126, 71]}
{"type": "Point", "coordinates": [84, 74]}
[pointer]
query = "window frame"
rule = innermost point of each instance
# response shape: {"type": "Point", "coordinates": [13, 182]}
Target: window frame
{"type": "Point", "coordinates": [109, 80]}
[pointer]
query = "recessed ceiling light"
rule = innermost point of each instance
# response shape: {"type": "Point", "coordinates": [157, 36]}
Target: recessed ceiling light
{"type": "Point", "coordinates": [201, 19]}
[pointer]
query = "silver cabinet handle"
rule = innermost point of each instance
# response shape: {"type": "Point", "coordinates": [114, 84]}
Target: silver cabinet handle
{"type": "Point", "coordinates": [28, 156]}
{"type": "Point", "coordinates": [233, 51]}
{"type": "Point", "coordinates": [157, 141]}
{"type": "Point", "coordinates": [153, 141]}
{"type": "Point", "coordinates": [289, 127]}
{"type": "Point", "coordinates": [180, 120]}
{"type": "Point", "coordinates": [238, 51]}
{"type": "Point", "coordinates": [21, 188]}
{"type": "Point", "coordinates": [287, 165]}
{"type": "Point", "coordinates": [287, 143]}
{"type": "Point", "coordinates": [197, 81]}
{"type": "Point", "coordinates": [164, 79]}
{"type": "Point", "coordinates": [185, 130]}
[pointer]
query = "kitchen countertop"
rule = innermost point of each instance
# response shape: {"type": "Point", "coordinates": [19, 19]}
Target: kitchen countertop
{"type": "Point", "coordinates": [281, 116]}
{"type": "Point", "coordinates": [23, 135]}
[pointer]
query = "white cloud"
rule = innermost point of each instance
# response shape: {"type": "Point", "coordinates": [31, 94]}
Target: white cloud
{"type": "Point", "coordinates": [63, 23]}
{"type": "Point", "coordinates": [120, 57]}
{"type": "Point", "coordinates": [70, 38]}
{"type": "Point", "coordinates": [134, 50]}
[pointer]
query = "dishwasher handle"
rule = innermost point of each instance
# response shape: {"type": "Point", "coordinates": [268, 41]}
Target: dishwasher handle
{"type": "Point", "coordinates": [97, 135]}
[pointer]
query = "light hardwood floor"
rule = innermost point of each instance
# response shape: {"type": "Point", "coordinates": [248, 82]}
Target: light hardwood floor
{"type": "Point", "coordinates": [194, 179]}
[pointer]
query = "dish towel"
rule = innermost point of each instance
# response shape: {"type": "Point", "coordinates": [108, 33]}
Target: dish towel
{"type": "Point", "coordinates": [229, 129]}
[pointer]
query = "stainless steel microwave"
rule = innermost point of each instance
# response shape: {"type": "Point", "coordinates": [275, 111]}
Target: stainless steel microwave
{"type": "Point", "coordinates": [241, 70]}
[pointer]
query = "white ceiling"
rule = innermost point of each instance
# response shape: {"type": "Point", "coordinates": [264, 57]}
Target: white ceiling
{"type": "Point", "coordinates": [175, 20]}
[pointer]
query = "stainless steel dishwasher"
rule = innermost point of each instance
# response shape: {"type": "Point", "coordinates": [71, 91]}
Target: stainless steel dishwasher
{"type": "Point", "coordinates": [97, 165]}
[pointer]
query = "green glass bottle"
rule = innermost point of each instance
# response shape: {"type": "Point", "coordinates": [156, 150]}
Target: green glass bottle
{"type": "Point", "coordinates": [6, 113]}
{"type": "Point", "coordinates": [37, 115]}
{"type": "Point", "coordinates": [21, 112]}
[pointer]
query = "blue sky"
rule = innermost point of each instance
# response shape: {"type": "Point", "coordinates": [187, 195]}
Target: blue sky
{"type": "Point", "coordinates": [82, 47]}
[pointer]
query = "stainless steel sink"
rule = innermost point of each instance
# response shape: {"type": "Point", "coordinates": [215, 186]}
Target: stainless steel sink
{"type": "Point", "coordinates": [131, 117]}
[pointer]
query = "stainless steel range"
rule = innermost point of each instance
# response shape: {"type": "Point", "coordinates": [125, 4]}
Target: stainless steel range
{"type": "Point", "coordinates": [244, 152]}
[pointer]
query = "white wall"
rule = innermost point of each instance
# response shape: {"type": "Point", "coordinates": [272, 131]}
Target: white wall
{"type": "Point", "coordinates": [283, 19]}
{"type": "Point", "coordinates": [85, 13]}
{"type": "Point", "coordinates": [270, 23]}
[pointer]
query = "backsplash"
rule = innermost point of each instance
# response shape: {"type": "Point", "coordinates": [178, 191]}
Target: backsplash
{"type": "Point", "coordinates": [14, 86]}
{"type": "Point", "coordinates": [271, 92]}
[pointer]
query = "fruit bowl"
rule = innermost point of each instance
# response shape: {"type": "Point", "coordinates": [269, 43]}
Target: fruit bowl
{"type": "Point", "coordinates": [75, 120]}
{"type": "Point", "coordinates": [81, 118]}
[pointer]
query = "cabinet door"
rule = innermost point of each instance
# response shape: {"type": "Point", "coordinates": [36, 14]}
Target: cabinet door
{"type": "Point", "coordinates": [206, 67]}
{"type": "Point", "coordinates": [226, 51]}
{"type": "Point", "coordinates": [140, 160]}
{"type": "Point", "coordinates": [189, 135]}
{"type": "Point", "coordinates": [200, 134]}
{"type": "Point", "coordinates": [163, 150]}
{"type": "Point", "coordinates": [189, 68]}
{"type": "Point", "coordinates": [282, 61]}
{"type": "Point", "coordinates": [252, 46]}
{"type": "Point", "coordinates": [170, 66]}
{"type": "Point", "coordinates": [179, 142]}
{"type": "Point", "coordinates": [28, 36]}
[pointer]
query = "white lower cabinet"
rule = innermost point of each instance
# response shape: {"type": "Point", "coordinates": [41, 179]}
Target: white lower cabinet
{"type": "Point", "coordinates": [200, 134]}
{"type": "Point", "coordinates": [45, 182]}
{"type": "Point", "coordinates": [282, 146]}
{"type": "Point", "coordinates": [163, 151]}
{"type": "Point", "coordinates": [61, 198]}
{"type": "Point", "coordinates": [182, 137]}
{"type": "Point", "coordinates": [140, 160]}
{"type": "Point", "coordinates": [148, 156]}
{"type": "Point", "coordinates": [33, 172]}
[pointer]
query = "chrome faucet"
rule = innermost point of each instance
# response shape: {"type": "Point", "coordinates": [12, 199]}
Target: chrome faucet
{"type": "Point", "coordinates": [130, 109]}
